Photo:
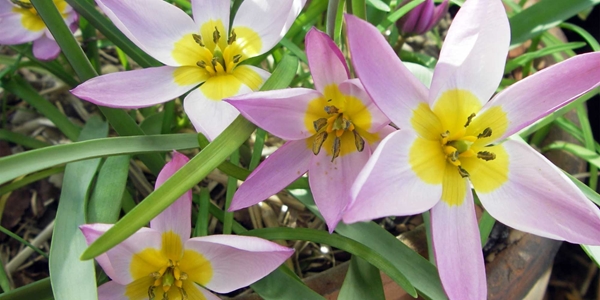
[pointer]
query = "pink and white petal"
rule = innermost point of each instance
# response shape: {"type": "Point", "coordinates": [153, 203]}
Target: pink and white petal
{"type": "Point", "coordinates": [112, 291]}
{"type": "Point", "coordinates": [388, 186]}
{"type": "Point", "coordinates": [237, 261]}
{"type": "Point", "coordinates": [326, 61]}
{"type": "Point", "coordinates": [133, 89]}
{"type": "Point", "coordinates": [546, 91]}
{"type": "Point", "coordinates": [45, 48]}
{"type": "Point", "coordinates": [122, 255]}
{"type": "Point", "coordinates": [412, 18]}
{"type": "Point", "coordinates": [538, 198]}
{"type": "Point", "coordinates": [92, 232]}
{"type": "Point", "coordinates": [474, 52]}
{"type": "Point", "coordinates": [153, 25]}
{"type": "Point", "coordinates": [266, 18]}
{"type": "Point", "coordinates": [12, 31]}
{"type": "Point", "coordinates": [6, 7]}
{"type": "Point", "coordinates": [277, 171]}
{"type": "Point", "coordinates": [378, 119]}
{"type": "Point", "coordinates": [280, 112]}
{"type": "Point", "coordinates": [210, 117]}
{"type": "Point", "coordinates": [457, 249]}
{"type": "Point", "coordinates": [331, 182]}
{"type": "Point", "coordinates": [391, 85]}
{"type": "Point", "coordinates": [178, 216]}
{"type": "Point", "coordinates": [214, 10]}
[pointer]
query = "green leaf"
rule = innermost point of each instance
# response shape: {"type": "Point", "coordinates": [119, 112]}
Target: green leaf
{"type": "Point", "coordinates": [586, 190]}
{"type": "Point", "coordinates": [395, 16]}
{"type": "Point", "coordinates": [527, 57]}
{"type": "Point", "coordinates": [340, 242]}
{"type": "Point", "coordinates": [362, 282]}
{"type": "Point", "coordinates": [4, 281]}
{"type": "Point", "coordinates": [544, 15]}
{"type": "Point", "coordinates": [105, 203]}
{"type": "Point", "coordinates": [282, 284]}
{"type": "Point", "coordinates": [39, 290]}
{"type": "Point", "coordinates": [379, 5]}
{"type": "Point", "coordinates": [31, 161]}
{"type": "Point", "coordinates": [593, 252]}
{"type": "Point", "coordinates": [73, 279]}
{"type": "Point", "coordinates": [20, 139]}
{"type": "Point", "coordinates": [584, 34]}
{"type": "Point", "coordinates": [588, 155]}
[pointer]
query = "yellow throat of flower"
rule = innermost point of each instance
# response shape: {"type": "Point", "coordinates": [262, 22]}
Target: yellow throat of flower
{"type": "Point", "coordinates": [339, 122]}
{"type": "Point", "coordinates": [29, 16]}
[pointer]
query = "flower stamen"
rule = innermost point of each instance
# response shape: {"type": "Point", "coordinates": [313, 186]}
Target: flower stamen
{"type": "Point", "coordinates": [337, 124]}
{"type": "Point", "coordinates": [486, 155]}
{"type": "Point", "coordinates": [167, 277]}
{"type": "Point", "coordinates": [485, 133]}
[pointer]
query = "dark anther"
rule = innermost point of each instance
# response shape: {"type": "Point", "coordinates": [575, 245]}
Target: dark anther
{"type": "Point", "coordinates": [454, 156]}
{"type": "Point", "coordinates": [469, 118]}
{"type": "Point", "coordinates": [318, 143]}
{"type": "Point", "coordinates": [22, 4]}
{"type": "Point", "coordinates": [358, 141]}
{"type": "Point", "coordinates": [151, 294]}
{"type": "Point", "coordinates": [331, 110]}
{"type": "Point", "coordinates": [486, 133]}
{"type": "Point", "coordinates": [319, 124]}
{"type": "Point", "coordinates": [236, 58]}
{"type": "Point", "coordinates": [445, 134]}
{"type": "Point", "coordinates": [336, 148]}
{"type": "Point", "coordinates": [463, 173]}
{"type": "Point", "coordinates": [198, 39]}
{"type": "Point", "coordinates": [486, 155]}
{"type": "Point", "coordinates": [201, 64]}
{"type": "Point", "coordinates": [216, 35]}
{"type": "Point", "coordinates": [213, 61]}
{"type": "Point", "coordinates": [231, 38]}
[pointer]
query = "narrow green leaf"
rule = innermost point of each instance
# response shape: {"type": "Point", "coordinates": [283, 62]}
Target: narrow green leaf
{"type": "Point", "coordinates": [362, 282]}
{"type": "Point", "coordinates": [201, 228]}
{"type": "Point", "coordinates": [4, 281]}
{"type": "Point", "coordinates": [280, 284]}
{"type": "Point", "coordinates": [231, 188]}
{"type": "Point", "coordinates": [542, 16]}
{"type": "Point", "coordinates": [593, 252]}
{"type": "Point", "coordinates": [583, 33]}
{"type": "Point", "coordinates": [54, 67]}
{"type": "Point", "coordinates": [396, 15]}
{"type": "Point", "coordinates": [18, 86]}
{"type": "Point", "coordinates": [31, 161]}
{"type": "Point", "coordinates": [528, 57]}
{"type": "Point", "coordinates": [590, 143]}
{"type": "Point", "coordinates": [39, 290]}
{"type": "Point", "coordinates": [105, 202]}
{"type": "Point", "coordinates": [359, 8]}
{"type": "Point", "coordinates": [29, 179]}
{"type": "Point", "coordinates": [379, 5]}
{"type": "Point", "coordinates": [588, 155]}
{"type": "Point", "coordinates": [486, 223]}
{"type": "Point", "coordinates": [22, 241]}
{"type": "Point", "coordinates": [73, 279]}
{"type": "Point", "coordinates": [23, 140]}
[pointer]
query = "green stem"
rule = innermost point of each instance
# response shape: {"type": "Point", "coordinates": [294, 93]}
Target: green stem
{"type": "Point", "coordinates": [332, 9]}
{"type": "Point", "coordinates": [20, 139]}
{"type": "Point", "coordinates": [359, 8]}
{"type": "Point", "coordinates": [590, 143]}
{"type": "Point", "coordinates": [30, 179]}
{"type": "Point", "coordinates": [231, 188]}
{"type": "Point", "coordinates": [22, 241]}
{"type": "Point", "coordinates": [203, 213]}
{"type": "Point", "coordinates": [259, 143]}
{"type": "Point", "coordinates": [39, 290]}
{"type": "Point", "coordinates": [427, 221]}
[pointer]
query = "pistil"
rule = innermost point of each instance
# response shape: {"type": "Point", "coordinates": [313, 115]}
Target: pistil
{"type": "Point", "coordinates": [167, 277]}
{"type": "Point", "coordinates": [461, 146]}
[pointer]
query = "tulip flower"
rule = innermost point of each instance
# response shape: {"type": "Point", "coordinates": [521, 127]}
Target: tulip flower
{"type": "Point", "coordinates": [20, 23]}
{"type": "Point", "coordinates": [162, 262]}
{"type": "Point", "coordinates": [422, 18]}
{"type": "Point", "coordinates": [331, 132]}
{"type": "Point", "coordinates": [203, 55]}
{"type": "Point", "coordinates": [452, 139]}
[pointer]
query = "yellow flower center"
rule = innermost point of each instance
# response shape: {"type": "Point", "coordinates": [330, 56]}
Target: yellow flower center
{"type": "Point", "coordinates": [339, 123]}
{"type": "Point", "coordinates": [214, 58]}
{"type": "Point", "coordinates": [454, 143]}
{"type": "Point", "coordinates": [168, 273]}
{"type": "Point", "coordinates": [167, 277]}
